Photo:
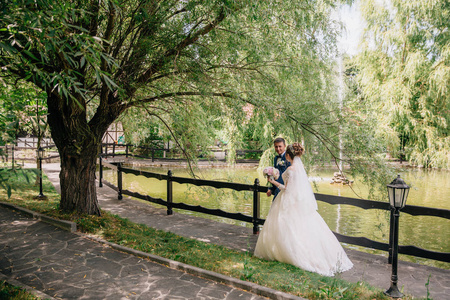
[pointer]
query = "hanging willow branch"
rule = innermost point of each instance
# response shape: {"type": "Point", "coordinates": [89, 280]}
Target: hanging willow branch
{"type": "Point", "coordinates": [188, 157]}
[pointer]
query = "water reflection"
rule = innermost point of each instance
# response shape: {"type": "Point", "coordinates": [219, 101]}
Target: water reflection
{"type": "Point", "coordinates": [428, 188]}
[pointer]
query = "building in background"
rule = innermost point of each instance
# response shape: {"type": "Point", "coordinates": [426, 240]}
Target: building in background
{"type": "Point", "coordinates": [114, 134]}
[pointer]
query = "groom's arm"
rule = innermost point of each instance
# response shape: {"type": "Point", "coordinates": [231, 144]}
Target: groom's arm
{"type": "Point", "coordinates": [272, 189]}
{"type": "Point", "coordinates": [280, 180]}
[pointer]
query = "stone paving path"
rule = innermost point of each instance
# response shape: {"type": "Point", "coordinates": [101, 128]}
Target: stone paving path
{"type": "Point", "coordinates": [65, 265]}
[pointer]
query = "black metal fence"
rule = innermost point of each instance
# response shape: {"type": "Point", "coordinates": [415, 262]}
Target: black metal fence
{"type": "Point", "coordinates": [112, 149]}
{"type": "Point", "coordinates": [170, 204]}
{"type": "Point", "coordinates": [255, 219]}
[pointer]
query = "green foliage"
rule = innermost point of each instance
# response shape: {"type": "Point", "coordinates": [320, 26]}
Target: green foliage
{"type": "Point", "coordinates": [12, 179]}
{"type": "Point", "coordinates": [22, 181]}
{"type": "Point", "coordinates": [11, 292]}
{"type": "Point", "coordinates": [334, 291]}
{"type": "Point", "coordinates": [42, 43]}
{"type": "Point", "coordinates": [403, 75]}
{"type": "Point", "coordinates": [22, 110]}
{"type": "Point", "coordinates": [427, 285]}
{"type": "Point", "coordinates": [248, 270]}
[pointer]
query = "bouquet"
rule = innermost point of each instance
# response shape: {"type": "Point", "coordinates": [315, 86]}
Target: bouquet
{"type": "Point", "coordinates": [271, 172]}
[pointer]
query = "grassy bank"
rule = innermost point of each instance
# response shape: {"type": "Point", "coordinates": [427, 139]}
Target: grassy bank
{"type": "Point", "coordinates": [242, 265]}
{"type": "Point", "coordinates": [8, 291]}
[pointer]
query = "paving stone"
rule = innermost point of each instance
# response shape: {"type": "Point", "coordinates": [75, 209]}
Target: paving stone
{"type": "Point", "coordinates": [69, 293]}
{"type": "Point", "coordinates": [108, 266]}
{"type": "Point", "coordinates": [46, 276]}
{"type": "Point", "coordinates": [32, 280]}
{"type": "Point", "coordinates": [213, 293]}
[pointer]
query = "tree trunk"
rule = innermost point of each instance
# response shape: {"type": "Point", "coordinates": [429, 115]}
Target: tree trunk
{"type": "Point", "coordinates": [78, 146]}
{"type": "Point", "coordinates": [77, 177]}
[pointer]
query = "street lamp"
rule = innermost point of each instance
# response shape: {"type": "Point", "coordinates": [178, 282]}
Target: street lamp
{"type": "Point", "coordinates": [398, 192]}
{"type": "Point", "coordinates": [40, 155]}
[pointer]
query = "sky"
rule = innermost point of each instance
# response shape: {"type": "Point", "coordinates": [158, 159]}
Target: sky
{"type": "Point", "coordinates": [354, 26]}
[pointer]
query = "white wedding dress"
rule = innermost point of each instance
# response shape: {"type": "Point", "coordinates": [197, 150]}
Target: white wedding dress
{"type": "Point", "coordinates": [295, 233]}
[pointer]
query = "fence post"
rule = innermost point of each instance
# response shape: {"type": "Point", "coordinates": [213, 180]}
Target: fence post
{"type": "Point", "coordinates": [106, 149]}
{"type": "Point", "coordinates": [391, 236]}
{"type": "Point", "coordinates": [6, 152]}
{"type": "Point", "coordinates": [256, 206]}
{"type": "Point", "coordinates": [100, 183]}
{"type": "Point", "coordinates": [12, 155]}
{"type": "Point", "coordinates": [169, 193]}
{"type": "Point", "coordinates": [114, 149]}
{"type": "Point", "coordinates": [153, 155]}
{"type": "Point", "coordinates": [126, 150]}
{"type": "Point", "coordinates": [119, 180]}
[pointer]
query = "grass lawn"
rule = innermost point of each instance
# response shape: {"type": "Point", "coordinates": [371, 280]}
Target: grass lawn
{"type": "Point", "coordinates": [241, 265]}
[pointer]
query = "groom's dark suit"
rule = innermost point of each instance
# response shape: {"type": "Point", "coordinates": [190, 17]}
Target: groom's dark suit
{"type": "Point", "coordinates": [281, 164]}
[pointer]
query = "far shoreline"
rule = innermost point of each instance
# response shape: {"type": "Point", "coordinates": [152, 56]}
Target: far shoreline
{"type": "Point", "coordinates": [241, 163]}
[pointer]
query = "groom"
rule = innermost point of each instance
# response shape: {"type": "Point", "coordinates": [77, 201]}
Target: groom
{"type": "Point", "coordinates": [280, 163]}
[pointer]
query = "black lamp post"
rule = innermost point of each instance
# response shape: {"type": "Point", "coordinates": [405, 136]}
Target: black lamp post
{"type": "Point", "coordinates": [40, 155]}
{"type": "Point", "coordinates": [398, 192]}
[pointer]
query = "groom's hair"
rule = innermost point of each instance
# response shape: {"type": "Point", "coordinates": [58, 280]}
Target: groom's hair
{"type": "Point", "coordinates": [279, 140]}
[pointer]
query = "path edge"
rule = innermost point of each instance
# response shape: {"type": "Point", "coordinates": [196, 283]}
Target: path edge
{"type": "Point", "coordinates": [29, 289]}
{"type": "Point", "coordinates": [63, 224]}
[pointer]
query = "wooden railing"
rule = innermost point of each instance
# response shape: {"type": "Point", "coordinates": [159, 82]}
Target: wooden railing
{"type": "Point", "coordinates": [109, 149]}
{"type": "Point", "coordinates": [32, 142]}
{"type": "Point", "coordinates": [255, 219]}
{"type": "Point", "coordinates": [9, 153]}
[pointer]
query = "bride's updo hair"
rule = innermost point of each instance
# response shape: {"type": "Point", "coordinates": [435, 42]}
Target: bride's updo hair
{"type": "Point", "coordinates": [295, 149]}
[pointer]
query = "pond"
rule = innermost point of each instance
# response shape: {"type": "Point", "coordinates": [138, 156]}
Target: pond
{"type": "Point", "coordinates": [428, 188]}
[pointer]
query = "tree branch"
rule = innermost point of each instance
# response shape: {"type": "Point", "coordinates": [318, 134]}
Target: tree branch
{"type": "Point", "coordinates": [189, 40]}
{"type": "Point", "coordinates": [175, 138]}
{"type": "Point", "coordinates": [175, 94]}
{"type": "Point", "coordinates": [93, 26]}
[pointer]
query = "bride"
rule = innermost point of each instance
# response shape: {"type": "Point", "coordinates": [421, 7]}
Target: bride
{"type": "Point", "coordinates": [294, 232]}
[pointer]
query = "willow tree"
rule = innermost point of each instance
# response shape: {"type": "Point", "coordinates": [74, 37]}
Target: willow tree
{"type": "Point", "coordinates": [403, 73]}
{"type": "Point", "coordinates": [98, 59]}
